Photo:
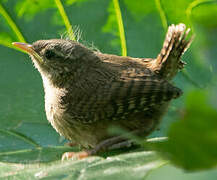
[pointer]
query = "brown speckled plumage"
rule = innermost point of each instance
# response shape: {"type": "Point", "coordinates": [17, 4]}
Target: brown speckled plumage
{"type": "Point", "coordinates": [86, 91]}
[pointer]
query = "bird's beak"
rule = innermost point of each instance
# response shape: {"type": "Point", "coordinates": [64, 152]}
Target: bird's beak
{"type": "Point", "coordinates": [29, 49]}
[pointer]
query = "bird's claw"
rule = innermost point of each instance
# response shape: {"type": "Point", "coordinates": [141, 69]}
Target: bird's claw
{"type": "Point", "coordinates": [75, 155]}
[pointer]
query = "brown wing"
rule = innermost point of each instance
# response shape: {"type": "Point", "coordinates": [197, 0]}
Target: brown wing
{"type": "Point", "coordinates": [122, 97]}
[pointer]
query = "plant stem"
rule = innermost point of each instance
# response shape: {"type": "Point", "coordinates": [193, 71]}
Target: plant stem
{"type": "Point", "coordinates": [162, 14]}
{"type": "Point", "coordinates": [120, 27]}
{"type": "Point", "coordinates": [11, 23]}
{"type": "Point", "coordinates": [65, 19]}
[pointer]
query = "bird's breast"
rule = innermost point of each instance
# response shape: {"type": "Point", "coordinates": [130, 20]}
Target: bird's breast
{"type": "Point", "coordinates": [54, 110]}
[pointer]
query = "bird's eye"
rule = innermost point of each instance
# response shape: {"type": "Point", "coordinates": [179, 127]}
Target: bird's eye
{"type": "Point", "coordinates": [49, 54]}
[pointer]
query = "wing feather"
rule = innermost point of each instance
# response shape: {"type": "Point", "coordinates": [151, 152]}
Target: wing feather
{"type": "Point", "coordinates": [123, 97]}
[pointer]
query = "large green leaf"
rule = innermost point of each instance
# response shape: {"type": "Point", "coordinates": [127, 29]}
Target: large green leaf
{"type": "Point", "coordinates": [192, 141]}
{"type": "Point", "coordinates": [128, 166]}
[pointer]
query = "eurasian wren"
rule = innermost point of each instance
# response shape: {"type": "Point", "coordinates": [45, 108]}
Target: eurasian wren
{"type": "Point", "coordinates": [87, 91]}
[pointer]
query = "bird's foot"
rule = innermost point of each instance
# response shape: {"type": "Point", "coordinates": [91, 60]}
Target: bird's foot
{"type": "Point", "coordinates": [75, 155]}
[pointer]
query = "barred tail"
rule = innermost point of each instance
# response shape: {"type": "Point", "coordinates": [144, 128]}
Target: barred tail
{"type": "Point", "coordinates": [168, 62]}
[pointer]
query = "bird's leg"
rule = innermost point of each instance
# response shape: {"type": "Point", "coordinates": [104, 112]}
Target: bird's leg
{"type": "Point", "coordinates": [124, 144]}
{"type": "Point", "coordinates": [103, 146]}
{"type": "Point", "coordinates": [108, 144]}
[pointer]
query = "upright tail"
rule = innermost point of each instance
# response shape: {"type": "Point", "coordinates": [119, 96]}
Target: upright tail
{"type": "Point", "coordinates": [168, 62]}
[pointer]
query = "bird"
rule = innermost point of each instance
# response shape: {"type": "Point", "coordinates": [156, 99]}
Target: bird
{"type": "Point", "coordinates": [87, 91]}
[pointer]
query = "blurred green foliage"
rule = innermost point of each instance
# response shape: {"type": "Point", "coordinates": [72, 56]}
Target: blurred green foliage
{"type": "Point", "coordinates": [27, 139]}
{"type": "Point", "coordinates": [192, 140]}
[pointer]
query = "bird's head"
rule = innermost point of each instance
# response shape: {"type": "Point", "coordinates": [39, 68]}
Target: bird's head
{"type": "Point", "coordinates": [59, 60]}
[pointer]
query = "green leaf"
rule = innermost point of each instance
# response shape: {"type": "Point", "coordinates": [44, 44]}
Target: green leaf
{"type": "Point", "coordinates": [127, 166]}
{"type": "Point", "coordinates": [70, 2]}
{"type": "Point", "coordinates": [192, 141]}
{"type": "Point", "coordinates": [5, 39]}
{"type": "Point", "coordinates": [140, 8]}
{"type": "Point", "coordinates": [204, 12]}
{"type": "Point", "coordinates": [169, 172]}
{"type": "Point", "coordinates": [176, 11]}
{"type": "Point", "coordinates": [23, 10]}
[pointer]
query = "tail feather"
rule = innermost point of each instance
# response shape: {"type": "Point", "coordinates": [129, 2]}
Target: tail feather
{"type": "Point", "coordinates": [168, 62]}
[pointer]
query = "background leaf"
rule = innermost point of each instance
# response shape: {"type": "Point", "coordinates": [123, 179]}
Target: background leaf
{"type": "Point", "coordinates": [192, 142]}
{"type": "Point", "coordinates": [22, 8]}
